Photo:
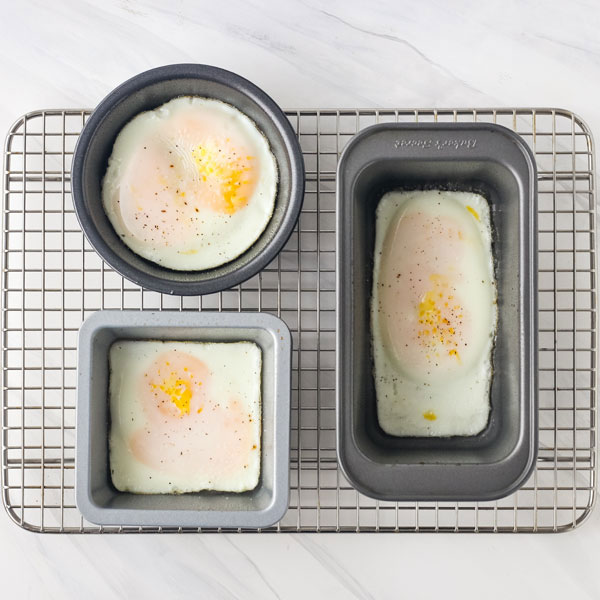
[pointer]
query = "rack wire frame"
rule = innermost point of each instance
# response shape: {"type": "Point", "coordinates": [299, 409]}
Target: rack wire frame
{"type": "Point", "coordinates": [52, 279]}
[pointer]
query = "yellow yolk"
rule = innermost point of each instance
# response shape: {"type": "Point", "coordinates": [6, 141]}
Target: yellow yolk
{"type": "Point", "coordinates": [439, 316]}
{"type": "Point", "coordinates": [174, 386]}
{"type": "Point", "coordinates": [473, 212]}
{"type": "Point", "coordinates": [430, 415]}
{"type": "Point", "coordinates": [179, 392]}
{"type": "Point", "coordinates": [225, 172]}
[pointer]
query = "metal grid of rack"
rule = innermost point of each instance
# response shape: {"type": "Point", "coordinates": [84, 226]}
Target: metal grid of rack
{"type": "Point", "coordinates": [52, 279]}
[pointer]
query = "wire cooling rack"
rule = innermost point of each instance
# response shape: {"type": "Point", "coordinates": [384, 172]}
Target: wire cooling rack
{"type": "Point", "coordinates": [52, 280]}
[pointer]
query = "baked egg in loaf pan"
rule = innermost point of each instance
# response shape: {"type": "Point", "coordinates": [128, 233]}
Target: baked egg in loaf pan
{"type": "Point", "coordinates": [496, 164]}
{"type": "Point", "coordinates": [105, 426]}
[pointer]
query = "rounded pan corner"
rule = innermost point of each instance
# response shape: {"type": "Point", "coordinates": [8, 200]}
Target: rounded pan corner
{"type": "Point", "coordinates": [519, 142]}
{"type": "Point", "coordinates": [273, 323]}
{"type": "Point", "coordinates": [88, 509]}
{"type": "Point", "coordinates": [514, 486]}
{"type": "Point", "coordinates": [276, 511]}
{"type": "Point", "coordinates": [356, 140]}
{"type": "Point", "coordinates": [348, 473]}
{"type": "Point", "coordinates": [286, 336]}
{"type": "Point", "coordinates": [91, 324]}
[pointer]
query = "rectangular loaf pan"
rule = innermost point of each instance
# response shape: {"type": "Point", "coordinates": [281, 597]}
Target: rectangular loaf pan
{"type": "Point", "coordinates": [100, 502]}
{"type": "Point", "coordinates": [497, 163]}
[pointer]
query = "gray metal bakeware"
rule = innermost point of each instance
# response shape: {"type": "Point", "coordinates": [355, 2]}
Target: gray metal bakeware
{"type": "Point", "coordinates": [147, 91]}
{"type": "Point", "coordinates": [497, 163]}
{"type": "Point", "coordinates": [100, 502]}
{"type": "Point", "coordinates": [53, 279]}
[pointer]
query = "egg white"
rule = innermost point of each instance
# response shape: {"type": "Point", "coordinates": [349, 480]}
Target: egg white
{"type": "Point", "coordinates": [153, 162]}
{"type": "Point", "coordinates": [234, 372]}
{"type": "Point", "coordinates": [431, 385]}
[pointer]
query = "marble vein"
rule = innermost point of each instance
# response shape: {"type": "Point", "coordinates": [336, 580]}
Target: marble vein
{"type": "Point", "coordinates": [330, 563]}
{"type": "Point", "coordinates": [246, 557]}
{"type": "Point", "coordinates": [407, 44]}
{"type": "Point", "coordinates": [588, 52]}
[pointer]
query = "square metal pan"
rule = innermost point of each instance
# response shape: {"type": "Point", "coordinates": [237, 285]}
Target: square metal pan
{"type": "Point", "coordinates": [100, 502]}
{"type": "Point", "coordinates": [497, 163]}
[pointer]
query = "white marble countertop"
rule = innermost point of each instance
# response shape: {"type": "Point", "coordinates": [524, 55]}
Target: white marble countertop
{"type": "Point", "coordinates": [307, 54]}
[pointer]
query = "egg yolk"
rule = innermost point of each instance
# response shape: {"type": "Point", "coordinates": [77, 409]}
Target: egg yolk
{"type": "Point", "coordinates": [227, 174]}
{"type": "Point", "coordinates": [189, 420]}
{"type": "Point", "coordinates": [179, 180]}
{"type": "Point", "coordinates": [440, 316]}
{"type": "Point", "coordinates": [179, 392]}
{"type": "Point", "coordinates": [473, 212]}
{"type": "Point", "coordinates": [174, 386]}
{"type": "Point", "coordinates": [425, 323]}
